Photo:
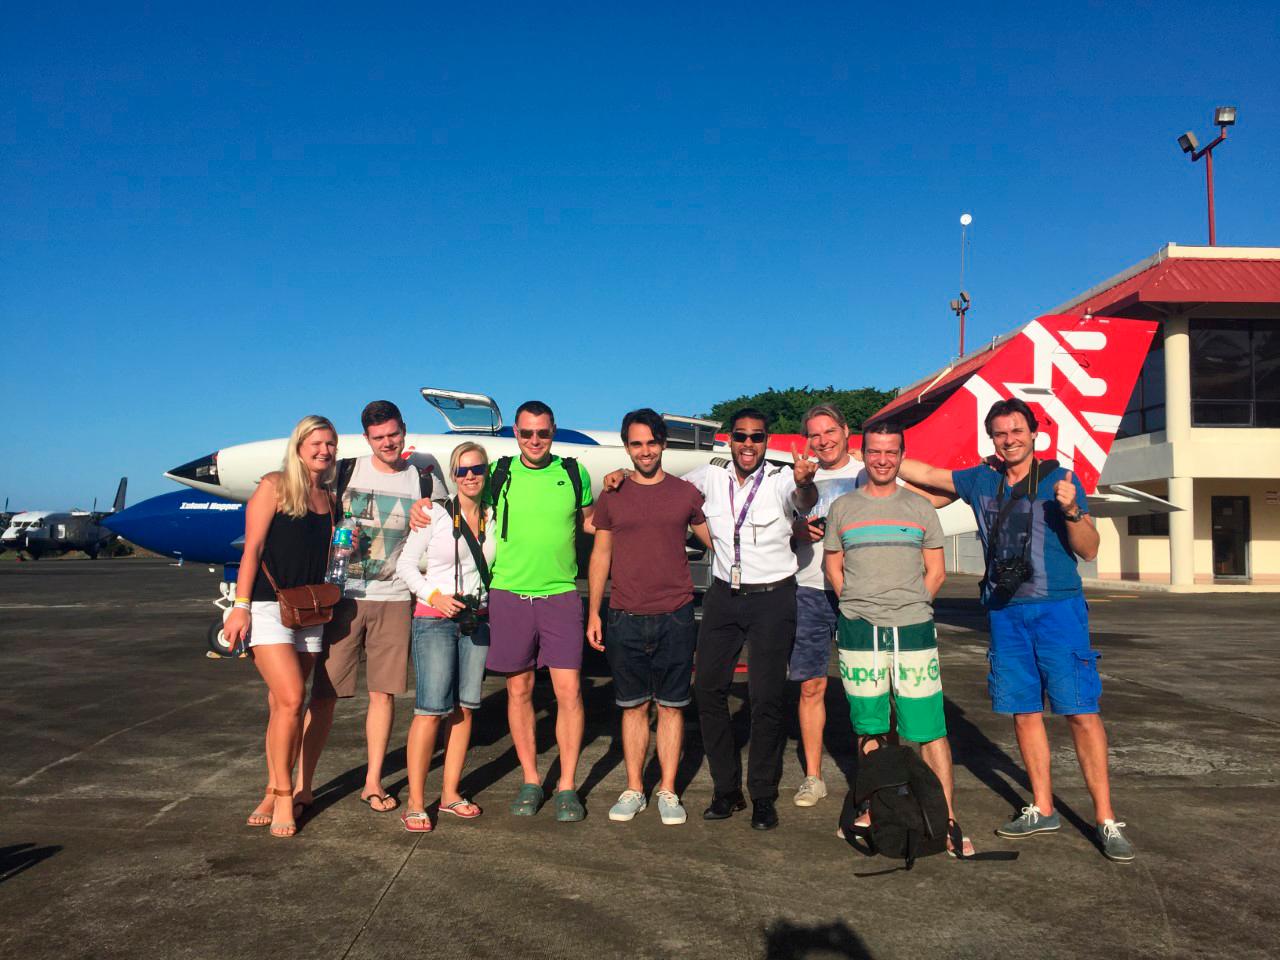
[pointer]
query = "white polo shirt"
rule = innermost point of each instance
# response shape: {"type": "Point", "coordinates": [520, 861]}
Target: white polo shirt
{"type": "Point", "coordinates": [766, 532]}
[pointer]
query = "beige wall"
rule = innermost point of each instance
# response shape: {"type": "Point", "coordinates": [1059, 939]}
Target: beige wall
{"type": "Point", "coordinates": [1121, 556]}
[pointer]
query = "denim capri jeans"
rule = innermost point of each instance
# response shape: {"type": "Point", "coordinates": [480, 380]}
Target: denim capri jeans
{"type": "Point", "coordinates": [448, 667]}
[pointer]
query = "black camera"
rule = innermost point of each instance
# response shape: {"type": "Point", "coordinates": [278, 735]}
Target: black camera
{"type": "Point", "coordinates": [468, 618]}
{"type": "Point", "coordinates": [1007, 576]}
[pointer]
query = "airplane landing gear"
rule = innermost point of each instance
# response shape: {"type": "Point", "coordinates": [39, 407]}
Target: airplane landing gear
{"type": "Point", "coordinates": [218, 646]}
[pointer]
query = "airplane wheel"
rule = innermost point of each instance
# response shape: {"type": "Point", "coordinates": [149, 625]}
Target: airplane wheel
{"type": "Point", "coordinates": [216, 641]}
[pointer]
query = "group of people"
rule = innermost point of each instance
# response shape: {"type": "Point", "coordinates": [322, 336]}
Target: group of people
{"type": "Point", "coordinates": [824, 552]}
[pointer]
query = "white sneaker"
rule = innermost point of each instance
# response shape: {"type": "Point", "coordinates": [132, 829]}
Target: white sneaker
{"type": "Point", "coordinates": [811, 791]}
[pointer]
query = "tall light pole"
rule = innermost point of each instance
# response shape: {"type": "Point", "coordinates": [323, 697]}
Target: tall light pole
{"type": "Point", "coordinates": [1224, 117]}
{"type": "Point", "coordinates": [960, 306]}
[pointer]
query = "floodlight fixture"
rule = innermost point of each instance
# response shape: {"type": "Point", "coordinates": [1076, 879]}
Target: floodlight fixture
{"type": "Point", "coordinates": [966, 219]}
{"type": "Point", "coordinates": [1224, 117]}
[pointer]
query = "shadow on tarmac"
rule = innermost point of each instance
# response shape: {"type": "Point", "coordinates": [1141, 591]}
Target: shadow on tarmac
{"type": "Point", "coordinates": [792, 941]}
{"type": "Point", "coordinates": [18, 857]}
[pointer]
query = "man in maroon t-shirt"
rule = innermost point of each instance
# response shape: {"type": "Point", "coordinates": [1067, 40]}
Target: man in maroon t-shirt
{"type": "Point", "coordinates": [652, 634]}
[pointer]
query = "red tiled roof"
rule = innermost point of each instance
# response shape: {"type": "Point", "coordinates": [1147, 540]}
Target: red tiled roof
{"type": "Point", "coordinates": [936, 383]}
{"type": "Point", "coordinates": [1187, 280]}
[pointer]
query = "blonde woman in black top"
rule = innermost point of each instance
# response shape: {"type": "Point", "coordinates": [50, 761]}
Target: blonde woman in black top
{"type": "Point", "coordinates": [288, 524]}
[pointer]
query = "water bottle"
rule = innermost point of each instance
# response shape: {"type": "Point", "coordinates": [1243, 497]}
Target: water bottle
{"type": "Point", "coordinates": [340, 551]}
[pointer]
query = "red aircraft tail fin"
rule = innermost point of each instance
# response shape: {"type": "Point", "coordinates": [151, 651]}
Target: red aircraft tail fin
{"type": "Point", "coordinates": [1076, 373]}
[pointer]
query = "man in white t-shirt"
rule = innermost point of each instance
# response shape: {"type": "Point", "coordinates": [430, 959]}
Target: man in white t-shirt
{"type": "Point", "coordinates": [376, 612]}
{"type": "Point", "coordinates": [816, 603]}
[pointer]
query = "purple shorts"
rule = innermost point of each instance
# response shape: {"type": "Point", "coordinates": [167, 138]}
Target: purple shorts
{"type": "Point", "coordinates": [525, 632]}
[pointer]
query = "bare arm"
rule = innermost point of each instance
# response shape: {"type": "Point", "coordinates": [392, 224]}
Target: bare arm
{"type": "Point", "coordinates": [587, 514]}
{"type": "Point", "coordinates": [1084, 539]}
{"type": "Point", "coordinates": [833, 562]}
{"type": "Point", "coordinates": [597, 577]}
{"type": "Point", "coordinates": [924, 475]}
{"type": "Point", "coordinates": [703, 533]}
{"type": "Point", "coordinates": [935, 497]}
{"type": "Point", "coordinates": [935, 570]}
{"type": "Point", "coordinates": [257, 521]}
{"type": "Point", "coordinates": [1082, 535]}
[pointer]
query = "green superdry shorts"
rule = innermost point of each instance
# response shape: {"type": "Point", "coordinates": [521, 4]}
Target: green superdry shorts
{"type": "Point", "coordinates": [876, 662]}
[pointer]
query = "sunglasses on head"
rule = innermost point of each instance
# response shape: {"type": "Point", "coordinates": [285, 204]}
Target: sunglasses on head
{"type": "Point", "coordinates": [530, 434]}
{"type": "Point", "coordinates": [475, 470]}
{"type": "Point", "coordinates": [741, 436]}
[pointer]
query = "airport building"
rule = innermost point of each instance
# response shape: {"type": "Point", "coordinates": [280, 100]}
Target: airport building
{"type": "Point", "coordinates": [1202, 428]}
{"type": "Point", "coordinates": [1203, 425]}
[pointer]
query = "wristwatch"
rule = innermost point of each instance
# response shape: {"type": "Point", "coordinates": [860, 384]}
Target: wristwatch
{"type": "Point", "coordinates": [1074, 517]}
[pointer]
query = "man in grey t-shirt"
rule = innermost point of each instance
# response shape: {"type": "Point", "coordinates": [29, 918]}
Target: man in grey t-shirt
{"type": "Point", "coordinates": [883, 556]}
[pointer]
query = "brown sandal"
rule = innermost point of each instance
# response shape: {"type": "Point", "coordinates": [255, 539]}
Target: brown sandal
{"type": "Point", "coordinates": [285, 828]}
{"type": "Point", "coordinates": [257, 819]}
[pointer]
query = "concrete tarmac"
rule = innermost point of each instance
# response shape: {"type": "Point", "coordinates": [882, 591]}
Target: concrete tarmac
{"type": "Point", "coordinates": [131, 761]}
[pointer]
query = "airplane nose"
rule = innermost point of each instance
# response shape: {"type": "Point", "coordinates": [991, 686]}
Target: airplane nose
{"type": "Point", "coordinates": [204, 470]}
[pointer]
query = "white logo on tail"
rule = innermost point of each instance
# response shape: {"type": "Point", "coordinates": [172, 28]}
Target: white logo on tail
{"type": "Point", "coordinates": [1046, 356]}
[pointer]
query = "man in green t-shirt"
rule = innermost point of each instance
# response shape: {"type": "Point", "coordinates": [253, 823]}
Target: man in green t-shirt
{"type": "Point", "coordinates": [883, 558]}
{"type": "Point", "coordinates": [535, 613]}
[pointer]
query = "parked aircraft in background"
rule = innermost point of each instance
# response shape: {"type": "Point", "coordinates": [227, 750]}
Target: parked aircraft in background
{"type": "Point", "coordinates": [39, 533]}
{"type": "Point", "coordinates": [184, 524]}
{"type": "Point", "coordinates": [1077, 372]}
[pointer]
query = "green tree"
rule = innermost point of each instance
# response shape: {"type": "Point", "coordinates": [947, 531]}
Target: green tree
{"type": "Point", "coordinates": [786, 407]}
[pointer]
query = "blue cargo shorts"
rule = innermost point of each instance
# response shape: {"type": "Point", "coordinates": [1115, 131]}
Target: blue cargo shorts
{"type": "Point", "coordinates": [1041, 649]}
{"type": "Point", "coordinates": [815, 632]}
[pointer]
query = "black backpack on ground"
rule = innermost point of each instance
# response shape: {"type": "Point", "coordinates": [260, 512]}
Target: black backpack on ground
{"type": "Point", "coordinates": [908, 807]}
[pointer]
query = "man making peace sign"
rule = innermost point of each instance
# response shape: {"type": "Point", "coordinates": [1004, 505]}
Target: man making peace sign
{"type": "Point", "coordinates": [751, 602]}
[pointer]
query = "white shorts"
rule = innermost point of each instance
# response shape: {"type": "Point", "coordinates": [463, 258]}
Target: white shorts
{"type": "Point", "coordinates": [265, 629]}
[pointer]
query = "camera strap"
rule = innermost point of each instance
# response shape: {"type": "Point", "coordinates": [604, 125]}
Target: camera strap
{"type": "Point", "coordinates": [1006, 508]}
{"type": "Point", "coordinates": [462, 531]}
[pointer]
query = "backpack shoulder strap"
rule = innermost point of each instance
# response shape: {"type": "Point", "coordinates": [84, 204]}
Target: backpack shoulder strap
{"type": "Point", "coordinates": [346, 468]}
{"type": "Point", "coordinates": [426, 482]}
{"type": "Point", "coordinates": [499, 483]}
{"type": "Point", "coordinates": [570, 465]}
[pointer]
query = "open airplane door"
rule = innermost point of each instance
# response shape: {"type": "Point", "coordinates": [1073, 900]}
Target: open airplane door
{"type": "Point", "coordinates": [465, 412]}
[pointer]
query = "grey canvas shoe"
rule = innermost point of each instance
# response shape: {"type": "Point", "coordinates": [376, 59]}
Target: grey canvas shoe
{"type": "Point", "coordinates": [1115, 845]}
{"type": "Point", "coordinates": [629, 804]}
{"type": "Point", "coordinates": [670, 809]}
{"type": "Point", "coordinates": [1031, 821]}
{"type": "Point", "coordinates": [811, 790]}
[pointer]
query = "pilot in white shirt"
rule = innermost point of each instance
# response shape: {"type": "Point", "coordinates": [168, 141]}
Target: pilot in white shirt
{"type": "Point", "coordinates": [751, 602]}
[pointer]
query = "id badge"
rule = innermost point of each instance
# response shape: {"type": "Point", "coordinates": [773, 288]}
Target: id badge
{"type": "Point", "coordinates": [735, 576]}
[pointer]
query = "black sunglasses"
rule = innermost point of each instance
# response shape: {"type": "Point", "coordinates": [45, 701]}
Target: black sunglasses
{"type": "Point", "coordinates": [540, 434]}
{"type": "Point", "coordinates": [475, 470]}
{"type": "Point", "coordinates": [741, 436]}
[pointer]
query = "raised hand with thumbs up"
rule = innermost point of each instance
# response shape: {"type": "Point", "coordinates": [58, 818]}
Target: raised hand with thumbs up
{"type": "Point", "coordinates": [1065, 492]}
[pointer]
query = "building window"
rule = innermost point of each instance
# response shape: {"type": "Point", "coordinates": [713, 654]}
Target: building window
{"type": "Point", "coordinates": [1145, 412]}
{"type": "Point", "coordinates": [1149, 525]}
{"type": "Point", "coordinates": [1235, 373]}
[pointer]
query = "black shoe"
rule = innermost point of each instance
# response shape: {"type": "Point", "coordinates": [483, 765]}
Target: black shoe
{"type": "Point", "coordinates": [764, 816]}
{"type": "Point", "coordinates": [723, 807]}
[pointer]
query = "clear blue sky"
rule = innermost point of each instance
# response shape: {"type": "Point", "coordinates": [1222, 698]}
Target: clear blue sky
{"type": "Point", "coordinates": [214, 220]}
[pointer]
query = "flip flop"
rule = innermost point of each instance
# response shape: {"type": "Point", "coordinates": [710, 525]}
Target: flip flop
{"type": "Point", "coordinates": [456, 809]}
{"type": "Point", "coordinates": [382, 797]}
{"type": "Point", "coordinates": [527, 801]}
{"type": "Point", "coordinates": [957, 839]}
{"type": "Point", "coordinates": [417, 821]}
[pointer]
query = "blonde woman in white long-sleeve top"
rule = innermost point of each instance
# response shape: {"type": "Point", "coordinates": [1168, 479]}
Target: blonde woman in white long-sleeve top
{"type": "Point", "coordinates": [448, 660]}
